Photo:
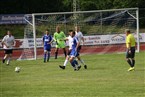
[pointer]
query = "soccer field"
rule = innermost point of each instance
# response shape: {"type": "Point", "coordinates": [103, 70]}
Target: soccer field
{"type": "Point", "coordinates": [106, 76]}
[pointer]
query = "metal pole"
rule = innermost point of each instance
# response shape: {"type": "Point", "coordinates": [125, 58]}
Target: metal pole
{"type": "Point", "coordinates": [137, 30]}
{"type": "Point", "coordinates": [34, 37]}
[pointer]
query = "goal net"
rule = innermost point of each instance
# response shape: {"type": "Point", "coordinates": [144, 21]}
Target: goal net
{"type": "Point", "coordinates": [103, 29]}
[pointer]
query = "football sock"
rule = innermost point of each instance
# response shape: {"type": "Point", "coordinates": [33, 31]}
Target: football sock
{"type": "Point", "coordinates": [76, 63]}
{"type": "Point", "coordinates": [73, 64]}
{"type": "Point", "coordinates": [65, 62]}
{"type": "Point", "coordinates": [48, 56]}
{"type": "Point", "coordinates": [44, 57]}
{"type": "Point", "coordinates": [133, 62]}
{"type": "Point", "coordinates": [82, 61]}
{"type": "Point", "coordinates": [56, 53]}
{"type": "Point", "coordinates": [8, 60]}
{"type": "Point", "coordinates": [129, 62]}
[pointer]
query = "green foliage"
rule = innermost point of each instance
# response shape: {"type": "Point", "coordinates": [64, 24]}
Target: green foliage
{"type": "Point", "coordinates": [106, 76]}
{"type": "Point", "coordinates": [17, 30]}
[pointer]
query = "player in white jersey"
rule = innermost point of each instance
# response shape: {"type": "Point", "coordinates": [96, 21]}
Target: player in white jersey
{"type": "Point", "coordinates": [80, 37]}
{"type": "Point", "coordinates": [8, 43]}
{"type": "Point", "coordinates": [70, 41]}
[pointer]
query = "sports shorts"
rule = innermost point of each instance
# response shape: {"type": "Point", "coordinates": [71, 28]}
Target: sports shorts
{"type": "Point", "coordinates": [132, 54]}
{"type": "Point", "coordinates": [8, 51]}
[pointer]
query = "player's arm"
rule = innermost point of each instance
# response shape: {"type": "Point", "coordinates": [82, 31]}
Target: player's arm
{"type": "Point", "coordinates": [129, 45]}
{"type": "Point", "coordinates": [54, 37]}
{"type": "Point", "coordinates": [78, 43]}
{"type": "Point", "coordinates": [64, 35]}
{"type": "Point", "coordinates": [82, 38]}
{"type": "Point", "coordinates": [51, 40]}
{"type": "Point", "coordinates": [43, 41]}
{"type": "Point", "coordinates": [3, 42]}
{"type": "Point", "coordinates": [64, 39]}
{"type": "Point", "coordinates": [14, 42]}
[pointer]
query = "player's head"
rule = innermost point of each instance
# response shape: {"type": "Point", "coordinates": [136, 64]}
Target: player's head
{"type": "Point", "coordinates": [9, 33]}
{"type": "Point", "coordinates": [72, 34]}
{"type": "Point", "coordinates": [127, 31]}
{"type": "Point", "coordinates": [47, 32]}
{"type": "Point", "coordinates": [70, 31]}
{"type": "Point", "coordinates": [58, 29]}
{"type": "Point", "coordinates": [77, 29]}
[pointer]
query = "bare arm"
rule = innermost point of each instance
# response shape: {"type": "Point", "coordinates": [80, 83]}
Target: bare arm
{"type": "Point", "coordinates": [83, 40]}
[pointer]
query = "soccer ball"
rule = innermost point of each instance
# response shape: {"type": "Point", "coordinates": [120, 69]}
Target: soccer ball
{"type": "Point", "coordinates": [17, 69]}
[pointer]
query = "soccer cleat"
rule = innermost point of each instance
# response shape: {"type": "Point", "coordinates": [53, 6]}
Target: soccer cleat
{"type": "Point", "coordinates": [131, 69]}
{"type": "Point", "coordinates": [3, 61]}
{"type": "Point", "coordinates": [85, 66]}
{"type": "Point", "coordinates": [79, 67]}
{"type": "Point", "coordinates": [62, 67]}
{"type": "Point", "coordinates": [75, 69]}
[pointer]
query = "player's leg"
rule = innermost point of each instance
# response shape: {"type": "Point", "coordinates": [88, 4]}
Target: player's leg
{"type": "Point", "coordinates": [48, 54]}
{"type": "Point", "coordinates": [129, 61]}
{"type": "Point", "coordinates": [45, 55]}
{"type": "Point", "coordinates": [56, 52]}
{"type": "Point", "coordinates": [133, 56]}
{"type": "Point", "coordinates": [71, 59]}
{"type": "Point", "coordinates": [8, 59]}
{"type": "Point", "coordinates": [9, 56]}
{"type": "Point", "coordinates": [64, 51]}
{"type": "Point", "coordinates": [63, 46]}
{"type": "Point", "coordinates": [82, 62]}
{"type": "Point", "coordinates": [77, 64]}
{"type": "Point", "coordinates": [78, 56]}
{"type": "Point", "coordinates": [66, 60]}
{"type": "Point", "coordinates": [5, 56]}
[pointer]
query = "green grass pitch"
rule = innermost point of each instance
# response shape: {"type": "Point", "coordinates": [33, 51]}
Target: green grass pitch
{"type": "Point", "coordinates": [106, 76]}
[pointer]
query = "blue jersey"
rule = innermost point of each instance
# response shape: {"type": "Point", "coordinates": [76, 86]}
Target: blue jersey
{"type": "Point", "coordinates": [46, 40]}
{"type": "Point", "coordinates": [74, 52]}
{"type": "Point", "coordinates": [74, 43]}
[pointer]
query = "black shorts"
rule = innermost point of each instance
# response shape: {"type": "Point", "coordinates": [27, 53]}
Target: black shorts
{"type": "Point", "coordinates": [132, 54]}
{"type": "Point", "coordinates": [8, 51]}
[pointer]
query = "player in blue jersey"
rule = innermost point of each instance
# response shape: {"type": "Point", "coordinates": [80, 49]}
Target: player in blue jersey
{"type": "Point", "coordinates": [74, 51]}
{"type": "Point", "coordinates": [70, 42]}
{"type": "Point", "coordinates": [47, 40]}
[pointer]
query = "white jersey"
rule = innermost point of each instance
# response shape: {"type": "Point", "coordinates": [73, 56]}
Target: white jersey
{"type": "Point", "coordinates": [9, 41]}
{"type": "Point", "coordinates": [79, 35]}
{"type": "Point", "coordinates": [70, 42]}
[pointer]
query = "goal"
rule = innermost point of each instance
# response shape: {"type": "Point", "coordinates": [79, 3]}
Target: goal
{"type": "Point", "coordinates": [103, 29]}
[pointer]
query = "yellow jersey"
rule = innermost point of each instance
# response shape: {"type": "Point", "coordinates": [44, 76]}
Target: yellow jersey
{"type": "Point", "coordinates": [130, 40]}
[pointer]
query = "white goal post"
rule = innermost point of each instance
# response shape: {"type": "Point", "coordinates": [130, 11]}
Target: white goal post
{"type": "Point", "coordinates": [112, 21]}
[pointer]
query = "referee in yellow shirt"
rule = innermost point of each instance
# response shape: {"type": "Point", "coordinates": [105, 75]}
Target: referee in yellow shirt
{"type": "Point", "coordinates": [130, 54]}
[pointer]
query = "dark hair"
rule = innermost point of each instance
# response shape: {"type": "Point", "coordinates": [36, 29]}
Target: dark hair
{"type": "Point", "coordinates": [70, 30]}
{"type": "Point", "coordinates": [47, 30]}
{"type": "Point", "coordinates": [74, 32]}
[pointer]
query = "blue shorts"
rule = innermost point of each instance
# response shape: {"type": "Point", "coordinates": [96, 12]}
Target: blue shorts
{"type": "Point", "coordinates": [47, 48]}
{"type": "Point", "coordinates": [74, 53]}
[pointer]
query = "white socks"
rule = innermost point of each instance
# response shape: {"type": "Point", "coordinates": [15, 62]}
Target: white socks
{"type": "Point", "coordinates": [65, 62]}
{"type": "Point", "coordinates": [82, 62]}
